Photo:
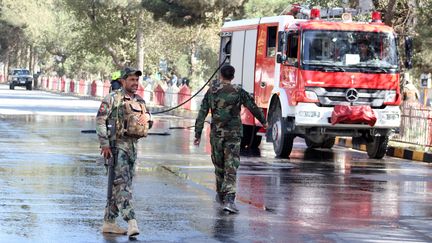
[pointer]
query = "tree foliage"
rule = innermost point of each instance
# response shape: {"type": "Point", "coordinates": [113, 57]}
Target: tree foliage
{"type": "Point", "coordinates": [189, 12]}
{"type": "Point", "coordinates": [258, 8]}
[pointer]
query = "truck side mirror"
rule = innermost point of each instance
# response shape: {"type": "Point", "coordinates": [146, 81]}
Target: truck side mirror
{"type": "Point", "coordinates": [280, 58]}
{"type": "Point", "coordinates": [281, 41]}
{"type": "Point", "coordinates": [408, 52]}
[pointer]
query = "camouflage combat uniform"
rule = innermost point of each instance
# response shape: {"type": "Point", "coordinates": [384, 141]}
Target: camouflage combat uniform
{"type": "Point", "coordinates": [225, 100]}
{"type": "Point", "coordinates": [112, 107]}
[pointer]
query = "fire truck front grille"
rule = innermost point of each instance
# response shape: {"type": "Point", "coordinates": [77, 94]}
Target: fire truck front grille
{"type": "Point", "coordinates": [344, 96]}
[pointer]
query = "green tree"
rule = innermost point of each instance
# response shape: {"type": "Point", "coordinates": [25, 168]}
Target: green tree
{"type": "Point", "coordinates": [38, 24]}
{"type": "Point", "coordinates": [423, 38]}
{"type": "Point", "coordinates": [198, 23]}
{"type": "Point", "coordinates": [258, 8]}
{"type": "Point", "coordinates": [190, 12]}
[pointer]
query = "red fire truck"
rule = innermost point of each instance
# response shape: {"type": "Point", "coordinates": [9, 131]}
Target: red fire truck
{"type": "Point", "coordinates": [299, 70]}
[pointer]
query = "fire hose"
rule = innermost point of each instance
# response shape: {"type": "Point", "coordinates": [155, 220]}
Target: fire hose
{"type": "Point", "coordinates": [184, 102]}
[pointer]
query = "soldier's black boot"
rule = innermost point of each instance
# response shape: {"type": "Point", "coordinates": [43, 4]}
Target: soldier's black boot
{"type": "Point", "coordinates": [229, 204]}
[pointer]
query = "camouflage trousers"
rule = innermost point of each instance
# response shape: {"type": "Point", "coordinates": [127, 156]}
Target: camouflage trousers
{"type": "Point", "coordinates": [226, 159]}
{"type": "Point", "coordinates": [122, 188]}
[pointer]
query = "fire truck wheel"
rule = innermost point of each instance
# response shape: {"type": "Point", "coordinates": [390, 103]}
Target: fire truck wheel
{"type": "Point", "coordinates": [282, 140]}
{"type": "Point", "coordinates": [377, 148]}
{"type": "Point", "coordinates": [328, 143]}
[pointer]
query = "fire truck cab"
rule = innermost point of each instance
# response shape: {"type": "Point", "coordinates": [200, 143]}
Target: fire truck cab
{"type": "Point", "coordinates": [298, 70]}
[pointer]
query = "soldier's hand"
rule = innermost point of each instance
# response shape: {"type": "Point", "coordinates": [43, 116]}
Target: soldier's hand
{"type": "Point", "coordinates": [197, 141]}
{"type": "Point", "coordinates": [106, 152]}
{"type": "Point", "coordinates": [265, 125]}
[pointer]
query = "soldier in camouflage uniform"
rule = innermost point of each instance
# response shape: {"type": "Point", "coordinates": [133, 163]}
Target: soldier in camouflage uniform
{"type": "Point", "coordinates": [225, 100]}
{"type": "Point", "coordinates": [113, 107]}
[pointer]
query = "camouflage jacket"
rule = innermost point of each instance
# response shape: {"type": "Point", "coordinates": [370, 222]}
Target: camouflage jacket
{"type": "Point", "coordinates": [224, 101]}
{"type": "Point", "coordinates": [112, 106]}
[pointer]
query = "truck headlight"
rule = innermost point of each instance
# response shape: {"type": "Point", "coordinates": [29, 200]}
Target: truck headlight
{"type": "Point", "coordinates": [311, 95]}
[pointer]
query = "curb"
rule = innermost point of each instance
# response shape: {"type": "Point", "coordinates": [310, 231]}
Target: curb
{"type": "Point", "coordinates": [397, 152]}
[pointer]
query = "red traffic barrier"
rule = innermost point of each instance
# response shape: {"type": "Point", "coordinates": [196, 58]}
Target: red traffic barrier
{"type": "Point", "coordinates": [72, 86]}
{"type": "Point", "coordinates": [183, 95]}
{"type": "Point", "coordinates": [159, 95]}
{"type": "Point", "coordinates": [106, 87]}
{"type": "Point", "coordinates": [55, 83]}
{"type": "Point", "coordinates": [140, 91]}
{"type": "Point", "coordinates": [62, 85]}
{"type": "Point", "coordinates": [93, 88]}
{"type": "Point", "coordinates": [81, 87]}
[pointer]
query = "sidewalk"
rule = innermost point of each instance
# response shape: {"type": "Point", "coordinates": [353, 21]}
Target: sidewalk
{"type": "Point", "coordinates": [397, 150]}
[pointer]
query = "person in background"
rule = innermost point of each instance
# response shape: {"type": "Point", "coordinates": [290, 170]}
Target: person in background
{"type": "Point", "coordinates": [115, 81]}
{"type": "Point", "coordinates": [410, 93]}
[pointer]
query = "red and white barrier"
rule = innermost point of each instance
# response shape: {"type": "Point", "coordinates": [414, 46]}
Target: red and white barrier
{"type": "Point", "coordinates": [140, 91]}
{"type": "Point", "coordinates": [184, 94]}
{"type": "Point", "coordinates": [159, 95]}
{"type": "Point", "coordinates": [148, 94]}
{"type": "Point", "coordinates": [106, 88]}
{"type": "Point", "coordinates": [62, 87]}
{"type": "Point", "coordinates": [72, 86]}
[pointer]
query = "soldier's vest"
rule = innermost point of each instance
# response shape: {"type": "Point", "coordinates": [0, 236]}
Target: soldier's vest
{"type": "Point", "coordinates": [128, 112]}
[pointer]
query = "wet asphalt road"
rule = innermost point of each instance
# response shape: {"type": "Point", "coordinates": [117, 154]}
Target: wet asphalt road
{"type": "Point", "coordinates": [51, 189]}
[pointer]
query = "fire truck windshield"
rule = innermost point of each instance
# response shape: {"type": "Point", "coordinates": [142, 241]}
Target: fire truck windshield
{"type": "Point", "coordinates": [346, 50]}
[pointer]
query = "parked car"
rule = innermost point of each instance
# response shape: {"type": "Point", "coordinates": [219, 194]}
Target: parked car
{"type": "Point", "coordinates": [20, 77]}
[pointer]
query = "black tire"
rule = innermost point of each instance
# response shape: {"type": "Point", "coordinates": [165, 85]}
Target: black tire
{"type": "Point", "coordinates": [328, 143]}
{"type": "Point", "coordinates": [250, 133]}
{"type": "Point", "coordinates": [282, 140]}
{"type": "Point", "coordinates": [29, 86]}
{"type": "Point", "coordinates": [312, 145]}
{"type": "Point", "coordinates": [377, 148]}
{"type": "Point", "coordinates": [11, 86]}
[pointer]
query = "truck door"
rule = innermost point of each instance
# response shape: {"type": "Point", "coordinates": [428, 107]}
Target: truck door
{"type": "Point", "coordinates": [239, 47]}
{"type": "Point", "coordinates": [265, 63]}
{"type": "Point", "coordinates": [288, 74]}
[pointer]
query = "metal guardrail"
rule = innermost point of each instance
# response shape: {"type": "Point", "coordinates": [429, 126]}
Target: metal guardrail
{"type": "Point", "coordinates": [416, 125]}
